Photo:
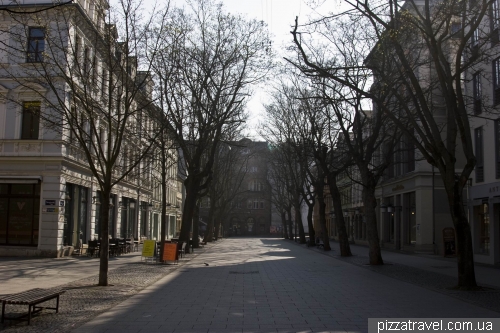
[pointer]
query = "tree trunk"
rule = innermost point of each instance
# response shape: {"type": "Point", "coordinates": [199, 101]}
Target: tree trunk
{"type": "Point", "coordinates": [369, 201]}
{"type": "Point", "coordinates": [290, 226]}
{"type": "Point", "coordinates": [192, 187]}
{"type": "Point", "coordinates": [217, 228]}
{"type": "Point", "coordinates": [298, 220]}
{"type": "Point", "coordinates": [312, 233]}
{"type": "Point", "coordinates": [322, 219]}
{"type": "Point", "coordinates": [196, 232]}
{"type": "Point", "coordinates": [210, 226]}
{"type": "Point", "coordinates": [345, 248]}
{"type": "Point", "coordinates": [163, 203]}
{"type": "Point", "coordinates": [104, 233]}
{"type": "Point", "coordinates": [465, 253]}
{"type": "Point", "coordinates": [285, 227]}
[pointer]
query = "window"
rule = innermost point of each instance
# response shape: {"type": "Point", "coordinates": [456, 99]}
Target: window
{"type": "Point", "coordinates": [19, 214]}
{"type": "Point", "coordinates": [76, 55]}
{"type": "Point", "coordinates": [496, 81]}
{"type": "Point", "coordinates": [86, 61]}
{"type": "Point", "coordinates": [455, 29]}
{"type": "Point", "coordinates": [497, 148]}
{"type": "Point", "coordinates": [30, 121]}
{"type": "Point", "coordinates": [103, 139]}
{"type": "Point", "coordinates": [255, 186]}
{"type": "Point", "coordinates": [475, 38]}
{"type": "Point", "coordinates": [494, 21]}
{"type": "Point", "coordinates": [408, 154]}
{"type": "Point", "coordinates": [477, 92]}
{"type": "Point", "coordinates": [36, 44]}
{"type": "Point", "coordinates": [478, 137]}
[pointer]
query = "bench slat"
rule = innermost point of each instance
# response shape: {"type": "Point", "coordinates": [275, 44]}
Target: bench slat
{"type": "Point", "coordinates": [31, 296]}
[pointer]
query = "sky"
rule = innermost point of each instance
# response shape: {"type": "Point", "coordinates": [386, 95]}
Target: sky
{"type": "Point", "coordinates": [279, 16]}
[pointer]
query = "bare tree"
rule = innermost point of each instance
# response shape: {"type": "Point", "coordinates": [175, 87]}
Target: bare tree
{"type": "Point", "coordinates": [281, 185]}
{"type": "Point", "coordinates": [422, 53]}
{"type": "Point", "coordinates": [229, 171]}
{"type": "Point", "coordinates": [285, 126]}
{"type": "Point", "coordinates": [209, 61]}
{"type": "Point", "coordinates": [300, 115]}
{"type": "Point", "coordinates": [363, 134]}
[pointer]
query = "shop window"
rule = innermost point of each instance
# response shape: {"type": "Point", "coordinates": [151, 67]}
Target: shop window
{"type": "Point", "coordinates": [19, 214]}
{"type": "Point", "coordinates": [22, 189]}
{"type": "Point", "coordinates": [484, 229]}
{"type": "Point", "coordinates": [411, 224]}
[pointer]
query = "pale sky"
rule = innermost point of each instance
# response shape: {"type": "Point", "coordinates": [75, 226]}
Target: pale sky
{"type": "Point", "coordinates": [279, 16]}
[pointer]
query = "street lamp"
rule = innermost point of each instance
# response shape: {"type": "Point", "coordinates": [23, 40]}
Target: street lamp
{"type": "Point", "coordinates": [383, 208]}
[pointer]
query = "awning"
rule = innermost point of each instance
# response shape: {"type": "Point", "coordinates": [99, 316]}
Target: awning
{"type": "Point", "coordinates": [20, 179]}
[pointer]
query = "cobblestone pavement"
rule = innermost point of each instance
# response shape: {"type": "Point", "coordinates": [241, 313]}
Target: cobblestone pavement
{"type": "Point", "coordinates": [255, 285]}
{"type": "Point", "coordinates": [488, 297]}
{"type": "Point", "coordinates": [273, 285]}
{"type": "Point", "coordinates": [84, 300]}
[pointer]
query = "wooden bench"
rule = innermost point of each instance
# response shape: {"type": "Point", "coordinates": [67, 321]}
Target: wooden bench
{"type": "Point", "coordinates": [31, 298]}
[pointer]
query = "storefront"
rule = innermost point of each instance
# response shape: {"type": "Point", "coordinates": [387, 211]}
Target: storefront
{"type": "Point", "coordinates": [484, 216]}
{"type": "Point", "coordinates": [112, 219]}
{"type": "Point", "coordinates": [20, 213]}
{"type": "Point", "coordinates": [128, 226]}
{"type": "Point", "coordinates": [75, 215]}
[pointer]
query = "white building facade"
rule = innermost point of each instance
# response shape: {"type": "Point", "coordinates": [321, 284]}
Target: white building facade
{"type": "Point", "coordinates": [49, 198]}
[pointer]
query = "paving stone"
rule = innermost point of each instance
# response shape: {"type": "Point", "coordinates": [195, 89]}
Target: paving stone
{"type": "Point", "coordinates": [306, 291]}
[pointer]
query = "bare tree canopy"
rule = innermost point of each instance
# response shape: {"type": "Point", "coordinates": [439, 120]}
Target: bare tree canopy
{"type": "Point", "coordinates": [419, 57]}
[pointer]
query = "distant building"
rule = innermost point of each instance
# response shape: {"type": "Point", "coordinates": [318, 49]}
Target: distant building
{"type": "Point", "coordinates": [251, 213]}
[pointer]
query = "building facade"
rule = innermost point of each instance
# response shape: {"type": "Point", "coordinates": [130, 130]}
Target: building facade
{"type": "Point", "coordinates": [49, 198]}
